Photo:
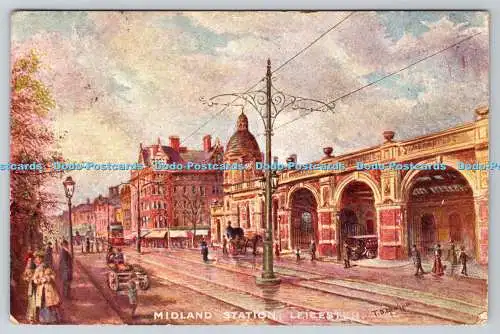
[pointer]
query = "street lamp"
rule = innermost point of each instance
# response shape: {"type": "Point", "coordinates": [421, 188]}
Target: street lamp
{"type": "Point", "coordinates": [69, 189]}
{"type": "Point", "coordinates": [269, 103]}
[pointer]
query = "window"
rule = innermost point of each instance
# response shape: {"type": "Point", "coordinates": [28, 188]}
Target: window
{"type": "Point", "coordinates": [184, 189]}
{"type": "Point", "coordinates": [193, 189]}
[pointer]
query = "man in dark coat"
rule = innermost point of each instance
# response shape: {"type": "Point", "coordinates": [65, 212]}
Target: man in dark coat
{"type": "Point", "coordinates": [87, 245]}
{"type": "Point", "coordinates": [224, 245]}
{"type": "Point", "coordinates": [463, 260]}
{"type": "Point", "coordinates": [313, 250]}
{"type": "Point", "coordinates": [347, 255]}
{"type": "Point", "coordinates": [204, 250]}
{"type": "Point", "coordinates": [48, 258]}
{"type": "Point", "coordinates": [66, 268]}
{"type": "Point", "coordinates": [417, 261]}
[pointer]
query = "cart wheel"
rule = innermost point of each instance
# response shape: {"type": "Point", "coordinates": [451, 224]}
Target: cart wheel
{"type": "Point", "coordinates": [355, 257]}
{"type": "Point", "coordinates": [371, 254]}
{"type": "Point", "coordinates": [144, 283]}
{"type": "Point", "coordinates": [113, 281]}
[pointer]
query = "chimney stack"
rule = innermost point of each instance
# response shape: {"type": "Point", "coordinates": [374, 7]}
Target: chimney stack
{"type": "Point", "coordinates": [207, 143]}
{"type": "Point", "coordinates": [175, 142]}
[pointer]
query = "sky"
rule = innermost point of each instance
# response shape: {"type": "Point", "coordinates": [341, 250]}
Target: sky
{"type": "Point", "coordinates": [124, 78]}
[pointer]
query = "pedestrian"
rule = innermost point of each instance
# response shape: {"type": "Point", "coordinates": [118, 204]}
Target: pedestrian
{"type": "Point", "coordinates": [347, 255]}
{"type": "Point", "coordinates": [204, 250]}
{"type": "Point", "coordinates": [56, 247]}
{"type": "Point", "coordinates": [463, 260]}
{"type": "Point", "coordinates": [313, 250]}
{"type": "Point", "coordinates": [224, 245]}
{"type": "Point", "coordinates": [437, 268]}
{"type": "Point", "coordinates": [29, 271]}
{"type": "Point", "coordinates": [132, 296]}
{"type": "Point", "coordinates": [47, 297]}
{"type": "Point", "coordinates": [48, 259]}
{"type": "Point", "coordinates": [97, 245]}
{"type": "Point", "coordinates": [119, 258]}
{"type": "Point", "coordinates": [417, 261]}
{"type": "Point", "coordinates": [297, 254]}
{"type": "Point", "coordinates": [87, 245]}
{"type": "Point", "coordinates": [254, 245]}
{"type": "Point", "coordinates": [66, 268]}
{"type": "Point", "coordinates": [91, 245]}
{"type": "Point", "coordinates": [277, 250]}
{"type": "Point", "coordinates": [452, 254]}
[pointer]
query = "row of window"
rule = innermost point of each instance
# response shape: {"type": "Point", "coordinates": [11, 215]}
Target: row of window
{"type": "Point", "coordinates": [153, 205]}
{"type": "Point", "coordinates": [195, 189]}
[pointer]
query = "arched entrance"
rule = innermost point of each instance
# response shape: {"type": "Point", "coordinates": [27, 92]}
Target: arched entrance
{"type": "Point", "coordinates": [357, 211]}
{"type": "Point", "coordinates": [441, 210]}
{"type": "Point", "coordinates": [304, 218]}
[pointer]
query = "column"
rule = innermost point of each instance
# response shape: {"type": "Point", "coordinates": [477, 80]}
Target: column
{"type": "Point", "coordinates": [326, 236]}
{"type": "Point", "coordinates": [390, 232]}
{"type": "Point", "coordinates": [284, 235]}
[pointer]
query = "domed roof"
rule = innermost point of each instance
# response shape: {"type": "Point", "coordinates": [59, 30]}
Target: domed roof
{"type": "Point", "coordinates": [242, 143]}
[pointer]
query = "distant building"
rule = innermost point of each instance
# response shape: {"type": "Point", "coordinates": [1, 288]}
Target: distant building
{"type": "Point", "coordinates": [175, 198]}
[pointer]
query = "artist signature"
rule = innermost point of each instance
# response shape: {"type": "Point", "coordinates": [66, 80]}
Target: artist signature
{"type": "Point", "coordinates": [389, 310]}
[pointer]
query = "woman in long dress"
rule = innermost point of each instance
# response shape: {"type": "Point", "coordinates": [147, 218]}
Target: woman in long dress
{"type": "Point", "coordinates": [29, 271]}
{"type": "Point", "coordinates": [437, 268]}
{"type": "Point", "coordinates": [47, 297]}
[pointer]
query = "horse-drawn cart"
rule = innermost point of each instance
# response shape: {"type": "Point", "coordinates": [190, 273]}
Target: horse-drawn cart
{"type": "Point", "coordinates": [119, 275]}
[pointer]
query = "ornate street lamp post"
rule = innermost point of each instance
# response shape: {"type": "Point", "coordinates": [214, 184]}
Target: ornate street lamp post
{"type": "Point", "coordinates": [269, 103]}
{"type": "Point", "coordinates": [69, 189]}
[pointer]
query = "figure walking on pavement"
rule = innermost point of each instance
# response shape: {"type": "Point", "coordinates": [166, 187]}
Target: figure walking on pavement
{"type": "Point", "coordinates": [66, 268]}
{"type": "Point", "coordinates": [48, 258]}
{"type": "Point", "coordinates": [204, 250]}
{"type": "Point", "coordinates": [297, 254]}
{"type": "Point", "coordinates": [463, 260]}
{"type": "Point", "coordinates": [224, 245]}
{"type": "Point", "coordinates": [437, 268]}
{"type": "Point", "coordinates": [417, 261]}
{"type": "Point", "coordinates": [132, 296]}
{"type": "Point", "coordinates": [313, 250]}
{"type": "Point", "coordinates": [277, 250]}
{"type": "Point", "coordinates": [347, 255]}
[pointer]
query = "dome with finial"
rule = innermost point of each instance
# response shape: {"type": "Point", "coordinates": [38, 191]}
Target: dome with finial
{"type": "Point", "coordinates": [242, 145]}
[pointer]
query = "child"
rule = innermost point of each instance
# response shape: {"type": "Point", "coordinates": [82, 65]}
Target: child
{"type": "Point", "coordinates": [297, 253]}
{"type": "Point", "coordinates": [132, 296]}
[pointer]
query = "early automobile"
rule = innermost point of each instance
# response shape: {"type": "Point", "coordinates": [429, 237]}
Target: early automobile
{"type": "Point", "coordinates": [363, 246]}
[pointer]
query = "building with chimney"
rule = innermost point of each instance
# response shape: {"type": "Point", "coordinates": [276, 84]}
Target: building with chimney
{"type": "Point", "coordinates": [177, 198]}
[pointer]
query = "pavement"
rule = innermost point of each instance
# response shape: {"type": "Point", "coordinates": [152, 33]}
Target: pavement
{"type": "Point", "coordinates": [184, 290]}
{"type": "Point", "coordinates": [86, 305]}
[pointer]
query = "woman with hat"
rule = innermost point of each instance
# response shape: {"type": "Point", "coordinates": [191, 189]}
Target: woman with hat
{"type": "Point", "coordinates": [47, 297]}
{"type": "Point", "coordinates": [29, 271]}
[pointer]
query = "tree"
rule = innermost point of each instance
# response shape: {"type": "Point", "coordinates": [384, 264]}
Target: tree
{"type": "Point", "coordinates": [31, 141]}
{"type": "Point", "coordinates": [193, 211]}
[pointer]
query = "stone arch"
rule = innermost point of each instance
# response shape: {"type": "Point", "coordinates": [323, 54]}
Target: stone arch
{"type": "Point", "coordinates": [360, 177]}
{"type": "Point", "coordinates": [298, 186]}
{"type": "Point", "coordinates": [409, 178]}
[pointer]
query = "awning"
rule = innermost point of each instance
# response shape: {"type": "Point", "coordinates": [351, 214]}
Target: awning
{"type": "Point", "coordinates": [156, 235]}
{"type": "Point", "coordinates": [178, 234]}
{"type": "Point", "coordinates": [201, 232]}
{"type": "Point", "coordinates": [134, 235]}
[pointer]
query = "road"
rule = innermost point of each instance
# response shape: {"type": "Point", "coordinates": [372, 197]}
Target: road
{"type": "Point", "coordinates": [224, 292]}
